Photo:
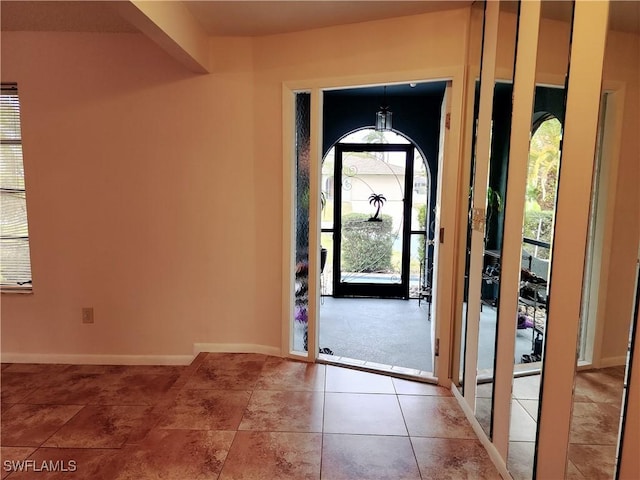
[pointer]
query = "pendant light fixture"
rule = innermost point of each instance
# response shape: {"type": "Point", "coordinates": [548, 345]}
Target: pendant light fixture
{"type": "Point", "coordinates": [384, 115]}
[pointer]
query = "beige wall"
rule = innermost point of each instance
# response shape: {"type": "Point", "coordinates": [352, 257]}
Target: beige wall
{"type": "Point", "coordinates": [139, 198]}
{"type": "Point", "coordinates": [622, 66]}
{"type": "Point", "coordinates": [154, 195]}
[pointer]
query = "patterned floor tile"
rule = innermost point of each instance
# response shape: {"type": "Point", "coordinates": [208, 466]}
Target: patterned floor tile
{"type": "Point", "coordinates": [348, 457]}
{"type": "Point", "coordinates": [271, 455]}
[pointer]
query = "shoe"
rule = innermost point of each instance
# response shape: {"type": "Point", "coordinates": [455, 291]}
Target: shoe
{"type": "Point", "coordinates": [528, 292]}
{"type": "Point", "coordinates": [524, 321]}
{"type": "Point", "coordinates": [529, 276]}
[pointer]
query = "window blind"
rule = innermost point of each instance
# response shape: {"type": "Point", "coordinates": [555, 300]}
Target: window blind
{"type": "Point", "coordinates": [15, 261]}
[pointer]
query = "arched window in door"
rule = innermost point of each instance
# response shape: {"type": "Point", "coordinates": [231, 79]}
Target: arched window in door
{"type": "Point", "coordinates": [542, 183]}
{"type": "Point", "coordinates": [360, 172]}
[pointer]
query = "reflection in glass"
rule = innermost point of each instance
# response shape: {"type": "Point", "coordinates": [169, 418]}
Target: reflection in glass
{"type": "Point", "coordinates": [543, 166]}
{"type": "Point", "coordinates": [474, 61]}
{"type": "Point", "coordinates": [604, 350]}
{"type": "Point", "coordinates": [494, 222]}
{"type": "Point", "coordinates": [542, 182]}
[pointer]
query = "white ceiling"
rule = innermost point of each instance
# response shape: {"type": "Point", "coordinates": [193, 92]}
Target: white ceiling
{"type": "Point", "coordinates": [250, 18]}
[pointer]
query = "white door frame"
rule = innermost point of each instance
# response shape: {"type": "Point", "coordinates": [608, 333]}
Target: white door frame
{"type": "Point", "coordinates": [449, 196]}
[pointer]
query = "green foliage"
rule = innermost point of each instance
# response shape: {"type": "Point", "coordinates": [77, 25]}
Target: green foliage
{"type": "Point", "coordinates": [375, 136]}
{"type": "Point", "coordinates": [494, 205]}
{"type": "Point", "coordinates": [538, 225]}
{"type": "Point", "coordinates": [366, 246]}
{"type": "Point", "coordinates": [494, 200]}
{"type": "Point", "coordinates": [422, 222]}
{"type": "Point", "coordinates": [544, 160]}
{"type": "Point", "coordinates": [542, 182]}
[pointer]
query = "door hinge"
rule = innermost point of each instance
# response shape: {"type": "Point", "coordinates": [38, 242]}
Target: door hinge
{"type": "Point", "coordinates": [447, 121]}
{"type": "Point", "coordinates": [437, 347]}
{"type": "Point", "coordinates": [442, 235]}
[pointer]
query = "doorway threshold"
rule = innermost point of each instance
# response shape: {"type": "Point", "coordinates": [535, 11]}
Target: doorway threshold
{"type": "Point", "coordinates": [380, 368]}
{"type": "Point", "coordinates": [526, 369]}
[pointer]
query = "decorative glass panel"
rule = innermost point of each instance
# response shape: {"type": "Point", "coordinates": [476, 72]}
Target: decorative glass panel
{"type": "Point", "coordinates": [302, 199]}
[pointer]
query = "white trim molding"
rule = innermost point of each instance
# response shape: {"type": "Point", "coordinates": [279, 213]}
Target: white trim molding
{"type": "Point", "coordinates": [235, 348]}
{"type": "Point", "coordinates": [89, 359]}
{"type": "Point", "coordinates": [491, 449]}
{"type": "Point", "coordinates": [613, 361]}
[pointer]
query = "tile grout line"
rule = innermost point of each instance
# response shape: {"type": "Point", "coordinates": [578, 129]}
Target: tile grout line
{"type": "Point", "coordinates": [155, 414]}
{"type": "Point", "coordinates": [526, 411]}
{"type": "Point", "coordinates": [60, 427]}
{"type": "Point", "coordinates": [324, 411]}
{"type": "Point", "coordinates": [409, 437]}
{"type": "Point", "coordinates": [237, 429]}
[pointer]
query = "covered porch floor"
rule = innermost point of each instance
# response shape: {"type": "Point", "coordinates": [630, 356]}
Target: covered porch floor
{"type": "Point", "coordinates": [394, 335]}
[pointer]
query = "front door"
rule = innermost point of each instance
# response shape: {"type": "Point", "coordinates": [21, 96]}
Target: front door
{"type": "Point", "coordinates": [372, 218]}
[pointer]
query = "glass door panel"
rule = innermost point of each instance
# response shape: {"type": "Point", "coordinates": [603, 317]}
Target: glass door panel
{"type": "Point", "coordinates": [605, 343]}
{"type": "Point", "coordinates": [370, 214]}
{"type": "Point", "coordinates": [493, 197]}
{"type": "Point", "coordinates": [300, 320]}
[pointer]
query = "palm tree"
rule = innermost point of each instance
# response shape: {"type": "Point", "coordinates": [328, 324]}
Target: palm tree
{"type": "Point", "coordinates": [377, 200]}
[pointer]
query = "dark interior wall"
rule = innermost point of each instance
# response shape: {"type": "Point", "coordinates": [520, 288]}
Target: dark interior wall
{"type": "Point", "coordinates": [549, 100]}
{"type": "Point", "coordinates": [416, 117]}
{"type": "Point", "coordinates": [502, 101]}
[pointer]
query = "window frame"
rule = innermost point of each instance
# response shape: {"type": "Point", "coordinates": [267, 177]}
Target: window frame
{"type": "Point", "coordinates": [8, 185]}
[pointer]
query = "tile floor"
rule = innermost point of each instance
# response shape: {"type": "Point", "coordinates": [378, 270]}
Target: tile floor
{"type": "Point", "coordinates": [594, 424]}
{"type": "Point", "coordinates": [232, 416]}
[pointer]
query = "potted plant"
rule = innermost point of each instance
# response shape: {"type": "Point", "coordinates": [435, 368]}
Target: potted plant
{"type": "Point", "coordinates": [494, 203]}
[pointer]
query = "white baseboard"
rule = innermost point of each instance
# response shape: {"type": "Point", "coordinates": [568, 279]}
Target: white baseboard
{"type": "Point", "coordinates": [495, 457]}
{"type": "Point", "coordinates": [613, 361]}
{"type": "Point", "coordinates": [80, 359]}
{"type": "Point", "coordinates": [235, 348]}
